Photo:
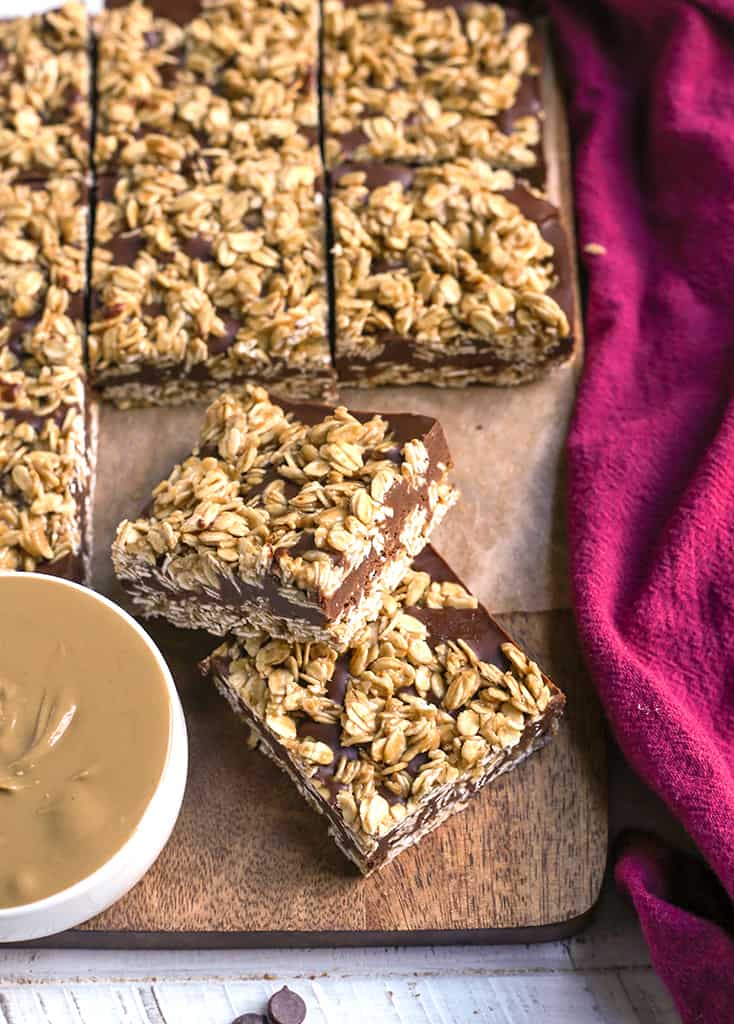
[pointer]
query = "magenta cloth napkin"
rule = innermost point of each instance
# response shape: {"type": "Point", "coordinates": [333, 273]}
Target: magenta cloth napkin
{"type": "Point", "coordinates": [651, 449]}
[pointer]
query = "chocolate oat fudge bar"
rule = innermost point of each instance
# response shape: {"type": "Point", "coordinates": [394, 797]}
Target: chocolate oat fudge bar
{"type": "Point", "coordinates": [286, 519]}
{"type": "Point", "coordinates": [46, 421]}
{"type": "Point", "coordinates": [386, 740]}
{"type": "Point", "coordinates": [201, 284]}
{"type": "Point", "coordinates": [171, 88]}
{"type": "Point", "coordinates": [422, 81]}
{"type": "Point", "coordinates": [449, 275]}
{"type": "Point", "coordinates": [45, 113]}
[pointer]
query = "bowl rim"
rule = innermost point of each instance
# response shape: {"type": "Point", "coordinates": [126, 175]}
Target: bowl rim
{"type": "Point", "coordinates": [175, 721]}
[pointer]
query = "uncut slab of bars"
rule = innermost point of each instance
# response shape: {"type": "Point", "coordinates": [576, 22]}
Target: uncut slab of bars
{"type": "Point", "coordinates": [423, 82]}
{"type": "Point", "coordinates": [431, 702]}
{"type": "Point", "coordinates": [199, 284]}
{"type": "Point", "coordinates": [45, 115]}
{"type": "Point", "coordinates": [47, 424]}
{"type": "Point", "coordinates": [292, 520]}
{"type": "Point", "coordinates": [448, 274]}
{"type": "Point", "coordinates": [168, 92]}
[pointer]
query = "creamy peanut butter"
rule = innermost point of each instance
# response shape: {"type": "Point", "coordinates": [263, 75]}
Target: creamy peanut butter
{"type": "Point", "coordinates": [85, 723]}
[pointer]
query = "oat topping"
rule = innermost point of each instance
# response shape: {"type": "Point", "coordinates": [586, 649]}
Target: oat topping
{"type": "Point", "coordinates": [406, 128]}
{"type": "Point", "coordinates": [378, 728]}
{"type": "Point", "coordinates": [269, 493]}
{"type": "Point", "coordinates": [44, 471]}
{"type": "Point", "coordinates": [168, 91]}
{"type": "Point", "coordinates": [44, 93]}
{"type": "Point", "coordinates": [43, 232]}
{"type": "Point", "coordinates": [441, 257]}
{"type": "Point", "coordinates": [418, 82]}
{"type": "Point", "coordinates": [225, 275]}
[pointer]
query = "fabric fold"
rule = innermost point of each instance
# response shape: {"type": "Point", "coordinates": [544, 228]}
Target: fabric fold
{"type": "Point", "coordinates": [651, 448]}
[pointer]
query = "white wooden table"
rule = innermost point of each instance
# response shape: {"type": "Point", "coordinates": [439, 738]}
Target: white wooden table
{"type": "Point", "coordinates": [602, 978]}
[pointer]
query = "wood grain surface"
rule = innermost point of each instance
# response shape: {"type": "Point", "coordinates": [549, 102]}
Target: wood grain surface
{"type": "Point", "coordinates": [250, 864]}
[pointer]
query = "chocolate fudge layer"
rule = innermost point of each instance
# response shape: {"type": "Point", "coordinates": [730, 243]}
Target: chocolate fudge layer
{"type": "Point", "coordinates": [448, 275]}
{"type": "Point", "coordinates": [167, 91]}
{"type": "Point", "coordinates": [287, 519]}
{"type": "Point", "coordinates": [45, 113]}
{"type": "Point", "coordinates": [198, 285]}
{"type": "Point", "coordinates": [386, 740]}
{"type": "Point", "coordinates": [423, 81]}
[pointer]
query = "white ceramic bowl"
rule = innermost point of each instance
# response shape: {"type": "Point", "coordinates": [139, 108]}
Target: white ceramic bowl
{"type": "Point", "coordinates": [109, 883]}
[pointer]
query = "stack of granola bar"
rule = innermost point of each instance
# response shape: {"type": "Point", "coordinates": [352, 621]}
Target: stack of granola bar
{"type": "Point", "coordinates": [361, 664]}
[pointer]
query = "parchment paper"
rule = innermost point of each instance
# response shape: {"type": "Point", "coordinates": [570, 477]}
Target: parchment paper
{"type": "Point", "coordinates": [505, 538]}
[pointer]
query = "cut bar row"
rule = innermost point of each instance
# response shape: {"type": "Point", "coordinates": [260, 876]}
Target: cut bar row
{"type": "Point", "coordinates": [210, 265]}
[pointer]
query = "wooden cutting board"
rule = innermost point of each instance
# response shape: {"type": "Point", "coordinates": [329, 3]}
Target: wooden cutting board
{"type": "Point", "coordinates": [249, 864]}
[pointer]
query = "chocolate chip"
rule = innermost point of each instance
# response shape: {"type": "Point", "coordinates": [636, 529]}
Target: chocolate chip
{"type": "Point", "coordinates": [382, 266]}
{"type": "Point", "coordinates": [251, 1018]}
{"type": "Point", "coordinates": [153, 310]}
{"type": "Point", "coordinates": [169, 72]}
{"type": "Point", "coordinates": [377, 175]}
{"type": "Point", "coordinates": [19, 328]}
{"type": "Point", "coordinates": [198, 248]}
{"type": "Point", "coordinates": [8, 393]}
{"type": "Point", "coordinates": [286, 1007]}
{"type": "Point", "coordinates": [125, 249]}
{"type": "Point", "coordinates": [220, 343]}
{"type": "Point", "coordinates": [339, 683]}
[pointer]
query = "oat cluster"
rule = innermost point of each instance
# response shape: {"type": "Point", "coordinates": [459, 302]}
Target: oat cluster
{"type": "Point", "coordinates": [227, 272]}
{"type": "Point", "coordinates": [43, 466]}
{"type": "Point", "coordinates": [44, 93]}
{"type": "Point", "coordinates": [414, 82]}
{"type": "Point", "coordinates": [43, 238]}
{"type": "Point", "coordinates": [440, 255]}
{"type": "Point", "coordinates": [268, 493]}
{"type": "Point", "coordinates": [166, 91]}
{"type": "Point", "coordinates": [378, 729]}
